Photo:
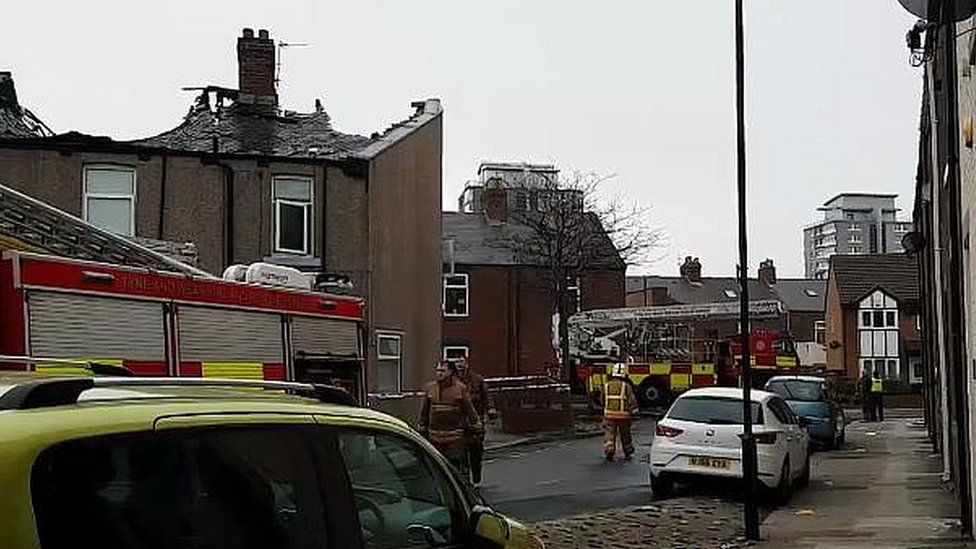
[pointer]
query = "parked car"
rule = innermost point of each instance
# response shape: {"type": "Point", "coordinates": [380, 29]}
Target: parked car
{"type": "Point", "coordinates": [700, 437]}
{"type": "Point", "coordinates": [809, 398]}
{"type": "Point", "coordinates": [178, 462]}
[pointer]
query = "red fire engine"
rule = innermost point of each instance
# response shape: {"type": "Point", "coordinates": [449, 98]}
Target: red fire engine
{"type": "Point", "coordinates": [164, 324]}
{"type": "Point", "coordinates": [668, 352]}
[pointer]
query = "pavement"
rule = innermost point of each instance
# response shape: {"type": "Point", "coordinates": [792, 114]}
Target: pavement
{"type": "Point", "coordinates": [497, 440]}
{"type": "Point", "coordinates": [882, 489]}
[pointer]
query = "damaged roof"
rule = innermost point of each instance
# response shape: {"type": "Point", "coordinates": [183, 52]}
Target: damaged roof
{"type": "Point", "coordinates": [235, 130]}
{"type": "Point", "coordinates": [17, 121]}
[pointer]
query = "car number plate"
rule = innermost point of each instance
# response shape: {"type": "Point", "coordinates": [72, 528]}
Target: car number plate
{"type": "Point", "coordinates": [710, 462]}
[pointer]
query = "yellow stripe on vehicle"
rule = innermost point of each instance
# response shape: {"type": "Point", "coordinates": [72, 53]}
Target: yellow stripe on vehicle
{"type": "Point", "coordinates": [703, 369]}
{"type": "Point", "coordinates": [636, 379]}
{"type": "Point", "coordinates": [785, 361]}
{"type": "Point", "coordinates": [234, 370]}
{"type": "Point", "coordinates": [680, 381]}
{"type": "Point", "coordinates": [660, 369]}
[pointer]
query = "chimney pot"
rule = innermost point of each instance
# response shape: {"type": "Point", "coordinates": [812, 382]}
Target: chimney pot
{"type": "Point", "coordinates": [767, 271]}
{"type": "Point", "coordinates": [691, 269]}
{"type": "Point", "coordinates": [263, 34]}
{"type": "Point", "coordinates": [248, 33]}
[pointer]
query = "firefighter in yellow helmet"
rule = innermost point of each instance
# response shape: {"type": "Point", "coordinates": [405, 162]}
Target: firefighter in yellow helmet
{"type": "Point", "coordinates": [619, 406]}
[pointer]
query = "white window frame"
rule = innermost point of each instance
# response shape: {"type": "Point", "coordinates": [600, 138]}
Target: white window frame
{"type": "Point", "coordinates": [85, 195]}
{"type": "Point", "coordinates": [467, 294]}
{"type": "Point", "coordinates": [854, 239]}
{"type": "Point", "coordinates": [465, 348]}
{"type": "Point", "coordinates": [380, 335]}
{"type": "Point", "coordinates": [820, 329]}
{"type": "Point", "coordinates": [879, 302]}
{"type": "Point", "coordinates": [309, 208]}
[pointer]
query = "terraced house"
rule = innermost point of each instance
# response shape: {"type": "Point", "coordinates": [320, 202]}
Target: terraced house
{"type": "Point", "coordinates": [245, 180]}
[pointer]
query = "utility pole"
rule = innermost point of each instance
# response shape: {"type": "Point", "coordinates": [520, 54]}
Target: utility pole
{"type": "Point", "coordinates": [749, 464]}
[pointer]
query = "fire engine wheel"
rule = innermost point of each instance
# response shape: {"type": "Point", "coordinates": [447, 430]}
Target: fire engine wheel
{"type": "Point", "coordinates": [653, 393]}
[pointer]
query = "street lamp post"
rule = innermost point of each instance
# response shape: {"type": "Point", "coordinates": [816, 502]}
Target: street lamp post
{"type": "Point", "coordinates": [749, 465]}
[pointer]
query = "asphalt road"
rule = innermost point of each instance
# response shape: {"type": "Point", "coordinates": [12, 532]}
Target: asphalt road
{"type": "Point", "coordinates": [563, 478]}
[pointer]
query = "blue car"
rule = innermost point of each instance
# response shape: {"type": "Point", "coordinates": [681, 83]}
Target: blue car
{"type": "Point", "coordinates": [808, 398]}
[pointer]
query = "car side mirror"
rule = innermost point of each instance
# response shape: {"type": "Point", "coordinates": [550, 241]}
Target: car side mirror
{"type": "Point", "coordinates": [489, 525]}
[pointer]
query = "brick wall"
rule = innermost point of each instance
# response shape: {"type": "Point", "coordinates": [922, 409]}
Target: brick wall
{"type": "Point", "coordinates": [509, 327]}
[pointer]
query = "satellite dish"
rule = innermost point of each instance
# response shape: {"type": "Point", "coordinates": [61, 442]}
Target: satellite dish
{"type": "Point", "coordinates": [931, 10]}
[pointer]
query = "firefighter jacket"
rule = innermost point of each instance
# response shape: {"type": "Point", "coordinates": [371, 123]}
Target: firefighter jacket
{"type": "Point", "coordinates": [447, 417]}
{"type": "Point", "coordinates": [619, 402]}
{"type": "Point", "coordinates": [478, 393]}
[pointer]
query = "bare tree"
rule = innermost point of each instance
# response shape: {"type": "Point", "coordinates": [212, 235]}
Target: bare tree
{"type": "Point", "coordinates": [572, 230]}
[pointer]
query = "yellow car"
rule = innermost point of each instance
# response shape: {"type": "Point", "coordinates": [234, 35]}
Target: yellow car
{"type": "Point", "coordinates": [201, 463]}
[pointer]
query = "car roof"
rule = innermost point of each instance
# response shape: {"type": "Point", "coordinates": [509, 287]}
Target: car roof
{"type": "Point", "coordinates": [106, 409]}
{"type": "Point", "coordinates": [756, 395]}
{"type": "Point", "coordinates": [797, 377]}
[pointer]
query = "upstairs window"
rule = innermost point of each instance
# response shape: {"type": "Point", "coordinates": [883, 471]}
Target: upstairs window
{"type": "Point", "coordinates": [455, 295]}
{"type": "Point", "coordinates": [293, 215]}
{"type": "Point", "coordinates": [110, 198]}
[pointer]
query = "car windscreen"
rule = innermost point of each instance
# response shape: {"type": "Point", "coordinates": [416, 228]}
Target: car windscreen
{"type": "Point", "coordinates": [713, 410]}
{"type": "Point", "coordinates": [809, 409]}
{"type": "Point", "coordinates": [797, 389]}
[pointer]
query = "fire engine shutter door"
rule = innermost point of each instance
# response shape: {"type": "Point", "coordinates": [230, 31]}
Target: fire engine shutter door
{"type": "Point", "coordinates": [226, 335]}
{"type": "Point", "coordinates": [325, 336]}
{"type": "Point", "coordinates": [82, 326]}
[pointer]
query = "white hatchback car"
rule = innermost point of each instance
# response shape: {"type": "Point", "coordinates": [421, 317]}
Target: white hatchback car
{"type": "Point", "coordinates": [699, 437]}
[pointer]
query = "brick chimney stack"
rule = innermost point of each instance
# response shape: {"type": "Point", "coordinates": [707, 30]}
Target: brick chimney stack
{"type": "Point", "coordinates": [256, 72]}
{"type": "Point", "coordinates": [767, 272]}
{"type": "Point", "coordinates": [495, 201]}
{"type": "Point", "coordinates": [691, 270]}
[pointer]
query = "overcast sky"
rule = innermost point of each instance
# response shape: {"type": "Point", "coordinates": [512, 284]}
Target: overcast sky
{"type": "Point", "coordinates": [642, 89]}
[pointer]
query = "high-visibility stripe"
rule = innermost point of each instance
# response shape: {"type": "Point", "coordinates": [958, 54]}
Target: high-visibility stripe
{"type": "Point", "coordinates": [785, 361]}
{"type": "Point", "coordinates": [660, 369]}
{"type": "Point", "coordinates": [680, 381]}
{"type": "Point", "coordinates": [63, 370]}
{"type": "Point", "coordinates": [703, 369]}
{"type": "Point", "coordinates": [234, 370]}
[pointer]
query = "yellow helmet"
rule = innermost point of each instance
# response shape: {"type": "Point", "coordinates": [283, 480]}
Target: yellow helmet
{"type": "Point", "coordinates": [619, 370]}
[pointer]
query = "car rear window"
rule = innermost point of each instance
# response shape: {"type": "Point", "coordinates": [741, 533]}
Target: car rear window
{"type": "Point", "coordinates": [713, 410]}
{"type": "Point", "coordinates": [228, 487]}
{"type": "Point", "coordinates": [797, 389]}
{"type": "Point", "coordinates": [809, 409]}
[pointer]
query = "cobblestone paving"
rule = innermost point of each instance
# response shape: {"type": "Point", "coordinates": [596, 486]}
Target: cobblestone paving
{"type": "Point", "coordinates": [689, 522]}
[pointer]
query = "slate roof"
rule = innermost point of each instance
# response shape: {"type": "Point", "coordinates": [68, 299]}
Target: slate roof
{"type": "Point", "coordinates": [240, 131]}
{"type": "Point", "coordinates": [476, 241]}
{"type": "Point", "coordinates": [709, 290]}
{"type": "Point", "coordinates": [802, 294]}
{"type": "Point", "coordinates": [858, 275]}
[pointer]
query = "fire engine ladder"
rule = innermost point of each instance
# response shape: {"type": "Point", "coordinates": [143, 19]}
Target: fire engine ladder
{"type": "Point", "coordinates": [41, 228]}
{"type": "Point", "coordinates": [766, 308]}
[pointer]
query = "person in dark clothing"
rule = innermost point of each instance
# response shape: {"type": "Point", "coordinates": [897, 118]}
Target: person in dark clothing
{"type": "Point", "coordinates": [867, 397]}
{"type": "Point", "coordinates": [481, 401]}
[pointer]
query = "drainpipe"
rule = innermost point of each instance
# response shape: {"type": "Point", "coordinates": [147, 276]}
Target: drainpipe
{"type": "Point", "coordinates": [162, 198]}
{"type": "Point", "coordinates": [939, 313]}
{"type": "Point", "coordinates": [228, 203]}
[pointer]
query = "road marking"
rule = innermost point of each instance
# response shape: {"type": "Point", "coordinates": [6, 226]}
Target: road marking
{"type": "Point", "coordinates": [548, 482]}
